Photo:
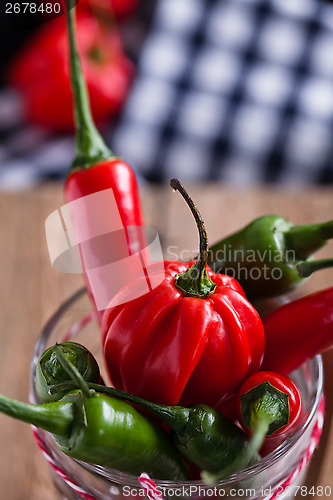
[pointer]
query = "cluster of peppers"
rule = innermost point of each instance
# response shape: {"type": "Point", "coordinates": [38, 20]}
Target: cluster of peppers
{"type": "Point", "coordinates": [196, 338]}
{"type": "Point", "coordinates": [228, 354]}
{"type": "Point", "coordinates": [98, 424]}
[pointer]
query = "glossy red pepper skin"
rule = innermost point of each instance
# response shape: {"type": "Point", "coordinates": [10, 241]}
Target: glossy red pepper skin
{"type": "Point", "coordinates": [119, 176]}
{"type": "Point", "coordinates": [95, 169]}
{"type": "Point", "coordinates": [298, 330]}
{"type": "Point", "coordinates": [113, 173]}
{"type": "Point", "coordinates": [171, 348]}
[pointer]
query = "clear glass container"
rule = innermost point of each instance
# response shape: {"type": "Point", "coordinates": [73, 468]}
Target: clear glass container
{"type": "Point", "coordinates": [285, 466]}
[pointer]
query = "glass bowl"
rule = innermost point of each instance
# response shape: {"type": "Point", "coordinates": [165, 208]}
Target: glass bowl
{"type": "Point", "coordinates": [279, 473]}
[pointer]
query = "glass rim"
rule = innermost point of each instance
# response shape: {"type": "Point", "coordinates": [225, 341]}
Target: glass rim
{"type": "Point", "coordinates": [123, 478]}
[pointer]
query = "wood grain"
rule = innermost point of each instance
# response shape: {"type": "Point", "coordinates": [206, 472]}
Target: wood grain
{"type": "Point", "coordinates": [30, 291]}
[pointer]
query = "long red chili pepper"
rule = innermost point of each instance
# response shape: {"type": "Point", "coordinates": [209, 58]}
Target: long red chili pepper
{"type": "Point", "coordinates": [195, 337]}
{"type": "Point", "coordinates": [95, 167]}
{"type": "Point", "coordinates": [298, 330]}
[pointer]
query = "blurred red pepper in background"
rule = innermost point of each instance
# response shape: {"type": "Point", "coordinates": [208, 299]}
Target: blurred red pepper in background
{"type": "Point", "coordinates": [41, 72]}
{"type": "Point", "coordinates": [121, 9]}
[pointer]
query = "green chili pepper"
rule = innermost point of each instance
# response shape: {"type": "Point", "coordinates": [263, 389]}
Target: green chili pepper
{"type": "Point", "coordinates": [201, 433]}
{"type": "Point", "coordinates": [49, 370]}
{"type": "Point", "coordinates": [98, 429]}
{"type": "Point", "coordinates": [271, 256]}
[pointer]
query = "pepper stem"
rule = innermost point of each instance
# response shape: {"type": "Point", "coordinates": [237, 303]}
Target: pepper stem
{"type": "Point", "coordinates": [265, 402]}
{"type": "Point", "coordinates": [72, 371]}
{"type": "Point", "coordinates": [246, 458]}
{"type": "Point", "coordinates": [170, 415]}
{"type": "Point", "coordinates": [264, 410]}
{"type": "Point", "coordinates": [52, 417]}
{"type": "Point", "coordinates": [306, 239]}
{"type": "Point", "coordinates": [195, 282]}
{"type": "Point", "coordinates": [306, 268]}
{"type": "Point", "coordinates": [90, 146]}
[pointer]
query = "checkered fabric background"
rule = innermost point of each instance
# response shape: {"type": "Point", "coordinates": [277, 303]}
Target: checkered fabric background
{"type": "Point", "coordinates": [232, 90]}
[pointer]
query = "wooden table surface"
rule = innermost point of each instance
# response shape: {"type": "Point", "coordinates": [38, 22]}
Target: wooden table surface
{"type": "Point", "coordinates": [30, 291]}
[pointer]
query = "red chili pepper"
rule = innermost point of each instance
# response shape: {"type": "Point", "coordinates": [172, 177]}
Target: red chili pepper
{"type": "Point", "coordinates": [193, 338]}
{"type": "Point", "coordinates": [269, 407]}
{"type": "Point", "coordinates": [121, 9]}
{"type": "Point", "coordinates": [95, 167]}
{"type": "Point", "coordinates": [298, 331]}
{"type": "Point", "coordinates": [41, 72]}
{"type": "Point", "coordinates": [271, 400]}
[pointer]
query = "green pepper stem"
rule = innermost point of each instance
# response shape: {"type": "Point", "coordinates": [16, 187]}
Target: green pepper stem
{"type": "Point", "coordinates": [267, 403]}
{"type": "Point", "coordinates": [72, 371]}
{"type": "Point", "coordinates": [259, 430]}
{"type": "Point", "coordinates": [90, 146]}
{"type": "Point", "coordinates": [168, 414]}
{"type": "Point", "coordinates": [249, 455]}
{"type": "Point", "coordinates": [195, 282]}
{"type": "Point", "coordinates": [52, 417]}
{"type": "Point", "coordinates": [306, 239]}
{"type": "Point", "coordinates": [306, 268]}
{"type": "Point", "coordinates": [264, 410]}
{"type": "Point", "coordinates": [173, 416]}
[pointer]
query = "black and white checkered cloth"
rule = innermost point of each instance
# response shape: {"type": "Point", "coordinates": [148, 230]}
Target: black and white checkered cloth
{"type": "Point", "coordinates": [232, 90]}
{"type": "Point", "coordinates": [28, 155]}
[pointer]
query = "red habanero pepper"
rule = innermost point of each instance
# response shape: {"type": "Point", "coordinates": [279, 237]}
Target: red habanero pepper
{"type": "Point", "coordinates": [95, 167]}
{"type": "Point", "coordinates": [298, 331]}
{"type": "Point", "coordinates": [269, 407]}
{"type": "Point", "coordinates": [193, 338]}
